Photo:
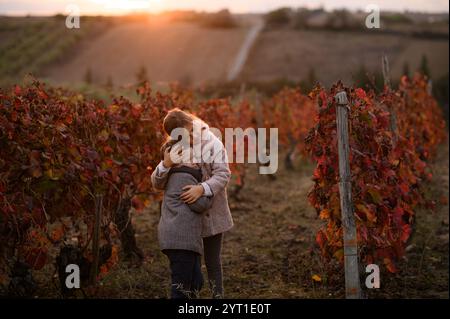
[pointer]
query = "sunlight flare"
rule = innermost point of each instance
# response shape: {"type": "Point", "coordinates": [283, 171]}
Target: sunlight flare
{"type": "Point", "coordinates": [128, 5]}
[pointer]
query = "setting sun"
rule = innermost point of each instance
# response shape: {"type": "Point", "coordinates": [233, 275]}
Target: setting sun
{"type": "Point", "coordinates": [121, 6]}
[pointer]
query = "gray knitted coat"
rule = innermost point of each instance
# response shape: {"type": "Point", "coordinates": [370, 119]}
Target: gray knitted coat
{"type": "Point", "coordinates": [180, 226]}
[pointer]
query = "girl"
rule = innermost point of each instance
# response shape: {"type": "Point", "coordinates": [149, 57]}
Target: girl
{"type": "Point", "coordinates": [215, 177]}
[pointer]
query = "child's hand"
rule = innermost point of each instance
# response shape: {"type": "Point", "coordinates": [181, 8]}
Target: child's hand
{"type": "Point", "coordinates": [192, 193]}
{"type": "Point", "coordinates": [172, 155]}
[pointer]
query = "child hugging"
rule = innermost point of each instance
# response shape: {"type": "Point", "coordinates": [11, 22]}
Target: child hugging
{"type": "Point", "coordinates": [195, 211]}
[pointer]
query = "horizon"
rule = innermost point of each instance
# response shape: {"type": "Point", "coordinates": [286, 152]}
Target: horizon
{"type": "Point", "coordinates": [123, 7]}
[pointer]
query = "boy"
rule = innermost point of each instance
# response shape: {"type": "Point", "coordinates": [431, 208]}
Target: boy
{"type": "Point", "coordinates": [180, 227]}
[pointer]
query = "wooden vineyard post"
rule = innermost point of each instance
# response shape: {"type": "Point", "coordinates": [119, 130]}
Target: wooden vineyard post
{"type": "Point", "coordinates": [385, 67]}
{"type": "Point", "coordinates": [96, 239]}
{"type": "Point", "coordinates": [261, 123]}
{"type": "Point", "coordinates": [352, 284]}
{"type": "Point", "coordinates": [259, 119]}
{"type": "Point", "coordinates": [430, 87]}
{"type": "Point", "coordinates": [387, 84]}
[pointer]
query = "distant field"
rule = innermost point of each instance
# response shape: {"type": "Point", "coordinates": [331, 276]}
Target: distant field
{"type": "Point", "coordinates": [115, 49]}
{"type": "Point", "coordinates": [31, 44]}
{"type": "Point", "coordinates": [179, 51]}
{"type": "Point", "coordinates": [338, 55]}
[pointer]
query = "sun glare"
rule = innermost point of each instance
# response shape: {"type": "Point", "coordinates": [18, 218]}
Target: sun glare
{"type": "Point", "coordinates": [128, 5]}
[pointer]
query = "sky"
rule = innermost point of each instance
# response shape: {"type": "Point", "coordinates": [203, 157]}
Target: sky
{"type": "Point", "coordinates": [45, 7]}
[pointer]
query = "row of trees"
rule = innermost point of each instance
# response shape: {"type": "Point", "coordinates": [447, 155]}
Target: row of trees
{"type": "Point", "coordinates": [392, 137]}
{"type": "Point", "coordinates": [71, 168]}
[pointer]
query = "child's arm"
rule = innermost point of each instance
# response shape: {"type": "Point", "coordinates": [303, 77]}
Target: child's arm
{"type": "Point", "coordinates": [159, 176]}
{"type": "Point", "coordinates": [201, 205]}
{"type": "Point", "coordinates": [161, 173]}
{"type": "Point", "coordinates": [220, 172]}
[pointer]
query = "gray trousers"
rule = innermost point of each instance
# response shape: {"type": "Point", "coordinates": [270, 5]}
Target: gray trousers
{"type": "Point", "coordinates": [212, 250]}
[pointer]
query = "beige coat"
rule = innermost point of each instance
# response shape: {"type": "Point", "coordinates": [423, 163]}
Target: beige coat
{"type": "Point", "coordinates": [216, 174]}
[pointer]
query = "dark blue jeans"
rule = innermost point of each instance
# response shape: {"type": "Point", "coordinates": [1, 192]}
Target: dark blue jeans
{"type": "Point", "coordinates": [187, 279]}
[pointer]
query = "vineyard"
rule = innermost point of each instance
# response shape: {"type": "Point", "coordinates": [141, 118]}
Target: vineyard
{"type": "Point", "coordinates": [75, 171]}
{"type": "Point", "coordinates": [25, 43]}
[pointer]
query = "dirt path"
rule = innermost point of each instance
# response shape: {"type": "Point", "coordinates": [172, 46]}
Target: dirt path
{"type": "Point", "coordinates": [241, 58]}
{"type": "Point", "coordinates": [270, 217]}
